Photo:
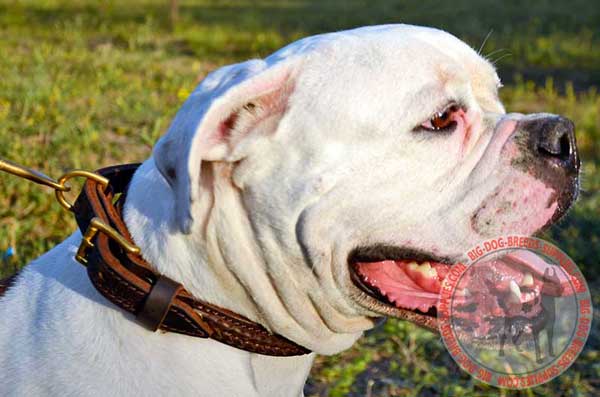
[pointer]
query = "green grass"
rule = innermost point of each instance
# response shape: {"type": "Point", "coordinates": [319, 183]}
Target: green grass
{"type": "Point", "coordinates": [88, 84]}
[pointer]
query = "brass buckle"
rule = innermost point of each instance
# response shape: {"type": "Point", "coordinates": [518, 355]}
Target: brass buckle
{"type": "Point", "coordinates": [97, 225]}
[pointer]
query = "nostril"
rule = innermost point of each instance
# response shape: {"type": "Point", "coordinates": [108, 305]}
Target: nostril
{"type": "Point", "coordinates": [565, 146]}
{"type": "Point", "coordinates": [556, 144]}
{"type": "Point", "coordinates": [552, 140]}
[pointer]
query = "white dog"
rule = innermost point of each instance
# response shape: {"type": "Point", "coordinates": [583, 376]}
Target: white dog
{"type": "Point", "coordinates": [280, 191]}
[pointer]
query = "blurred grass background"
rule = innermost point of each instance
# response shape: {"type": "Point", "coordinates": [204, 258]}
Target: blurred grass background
{"type": "Point", "coordinates": [91, 83]}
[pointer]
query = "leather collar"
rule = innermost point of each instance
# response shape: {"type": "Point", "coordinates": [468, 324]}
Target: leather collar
{"type": "Point", "coordinates": [6, 283]}
{"type": "Point", "coordinates": [157, 302]}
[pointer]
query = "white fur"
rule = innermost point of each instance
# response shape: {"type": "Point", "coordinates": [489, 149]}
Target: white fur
{"type": "Point", "coordinates": [260, 219]}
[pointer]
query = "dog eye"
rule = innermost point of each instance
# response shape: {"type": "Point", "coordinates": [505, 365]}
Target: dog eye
{"type": "Point", "coordinates": [442, 121]}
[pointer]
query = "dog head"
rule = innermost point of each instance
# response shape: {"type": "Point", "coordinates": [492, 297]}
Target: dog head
{"type": "Point", "coordinates": [334, 181]}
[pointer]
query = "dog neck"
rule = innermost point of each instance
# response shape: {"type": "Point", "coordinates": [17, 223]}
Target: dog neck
{"type": "Point", "coordinates": [195, 260]}
{"type": "Point", "coordinates": [200, 264]}
{"type": "Point", "coordinates": [220, 261]}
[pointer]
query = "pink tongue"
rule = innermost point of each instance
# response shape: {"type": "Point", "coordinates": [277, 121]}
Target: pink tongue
{"type": "Point", "coordinates": [392, 280]}
{"type": "Point", "coordinates": [414, 287]}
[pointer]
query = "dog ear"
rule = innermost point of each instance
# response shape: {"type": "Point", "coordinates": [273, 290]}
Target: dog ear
{"type": "Point", "coordinates": [228, 110]}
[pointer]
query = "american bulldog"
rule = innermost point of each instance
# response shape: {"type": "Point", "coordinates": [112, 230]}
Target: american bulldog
{"type": "Point", "coordinates": [313, 191]}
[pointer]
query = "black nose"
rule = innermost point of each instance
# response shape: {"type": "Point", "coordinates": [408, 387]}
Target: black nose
{"type": "Point", "coordinates": [553, 139]}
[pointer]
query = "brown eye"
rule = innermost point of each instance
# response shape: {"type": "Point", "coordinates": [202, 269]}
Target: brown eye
{"type": "Point", "coordinates": [442, 121]}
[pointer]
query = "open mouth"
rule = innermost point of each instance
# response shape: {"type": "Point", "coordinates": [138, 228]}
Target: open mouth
{"type": "Point", "coordinates": [402, 282]}
{"type": "Point", "coordinates": [406, 283]}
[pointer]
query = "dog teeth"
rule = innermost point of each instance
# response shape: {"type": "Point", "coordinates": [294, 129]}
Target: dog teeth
{"type": "Point", "coordinates": [431, 272]}
{"type": "Point", "coordinates": [527, 280]}
{"type": "Point", "coordinates": [514, 295]}
{"type": "Point", "coordinates": [424, 268]}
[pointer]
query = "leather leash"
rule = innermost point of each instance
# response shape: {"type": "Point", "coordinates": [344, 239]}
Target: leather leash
{"type": "Point", "coordinates": [118, 271]}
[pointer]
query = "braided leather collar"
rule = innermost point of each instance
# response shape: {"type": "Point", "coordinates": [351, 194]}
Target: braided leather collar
{"type": "Point", "coordinates": [158, 302]}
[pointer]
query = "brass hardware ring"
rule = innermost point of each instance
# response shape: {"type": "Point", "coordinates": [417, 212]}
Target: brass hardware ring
{"type": "Point", "coordinates": [60, 193]}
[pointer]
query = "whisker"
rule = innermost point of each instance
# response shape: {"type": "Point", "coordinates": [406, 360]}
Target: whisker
{"type": "Point", "coordinates": [494, 62]}
{"type": "Point", "coordinates": [487, 36]}
{"type": "Point", "coordinates": [487, 56]}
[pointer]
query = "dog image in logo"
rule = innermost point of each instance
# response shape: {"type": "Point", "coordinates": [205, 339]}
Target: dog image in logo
{"type": "Point", "coordinates": [520, 319]}
{"type": "Point", "coordinates": [512, 297]}
{"type": "Point", "coordinates": [514, 292]}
